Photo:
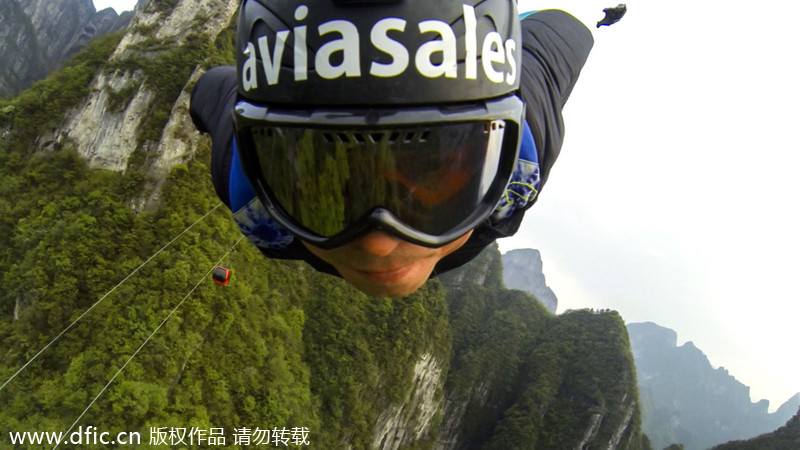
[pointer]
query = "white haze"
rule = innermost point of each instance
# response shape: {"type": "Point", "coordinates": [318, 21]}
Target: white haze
{"type": "Point", "coordinates": [672, 200]}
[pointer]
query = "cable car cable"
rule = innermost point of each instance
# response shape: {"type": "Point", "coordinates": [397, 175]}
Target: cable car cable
{"type": "Point", "coordinates": [104, 296]}
{"type": "Point", "coordinates": [66, 433]}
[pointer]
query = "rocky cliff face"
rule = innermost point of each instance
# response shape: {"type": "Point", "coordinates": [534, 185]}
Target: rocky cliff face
{"type": "Point", "coordinates": [135, 106]}
{"type": "Point", "coordinates": [37, 35]}
{"type": "Point", "coordinates": [411, 420]}
{"type": "Point", "coordinates": [522, 269]}
{"type": "Point", "coordinates": [19, 58]}
{"type": "Point", "coordinates": [685, 400]}
{"type": "Point", "coordinates": [138, 104]}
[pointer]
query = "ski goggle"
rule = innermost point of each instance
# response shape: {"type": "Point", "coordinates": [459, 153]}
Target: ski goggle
{"type": "Point", "coordinates": [427, 175]}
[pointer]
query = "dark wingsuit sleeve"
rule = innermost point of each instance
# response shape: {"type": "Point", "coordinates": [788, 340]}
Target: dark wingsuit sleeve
{"type": "Point", "coordinates": [555, 46]}
{"type": "Point", "coordinates": [211, 107]}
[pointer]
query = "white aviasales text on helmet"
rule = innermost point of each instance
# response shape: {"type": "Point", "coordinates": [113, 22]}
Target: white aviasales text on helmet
{"type": "Point", "coordinates": [498, 61]}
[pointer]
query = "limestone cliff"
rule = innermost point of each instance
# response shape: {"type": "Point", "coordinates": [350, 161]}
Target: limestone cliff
{"type": "Point", "coordinates": [37, 35]}
{"type": "Point", "coordinates": [138, 104]}
{"type": "Point", "coordinates": [685, 400]}
{"type": "Point", "coordinates": [523, 270]}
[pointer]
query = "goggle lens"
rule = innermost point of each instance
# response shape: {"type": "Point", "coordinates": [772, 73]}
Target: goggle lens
{"type": "Point", "coordinates": [426, 174]}
{"type": "Point", "coordinates": [428, 178]}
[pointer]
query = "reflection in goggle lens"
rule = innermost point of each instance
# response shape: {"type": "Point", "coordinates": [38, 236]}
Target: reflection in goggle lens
{"type": "Point", "coordinates": [429, 178]}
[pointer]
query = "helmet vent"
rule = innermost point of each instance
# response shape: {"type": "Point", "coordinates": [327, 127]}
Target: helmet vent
{"type": "Point", "coordinates": [394, 137]}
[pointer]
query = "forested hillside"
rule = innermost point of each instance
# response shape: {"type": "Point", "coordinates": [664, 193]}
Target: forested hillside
{"type": "Point", "coordinates": [462, 363]}
{"type": "Point", "coordinates": [522, 377]}
{"type": "Point", "coordinates": [786, 437]}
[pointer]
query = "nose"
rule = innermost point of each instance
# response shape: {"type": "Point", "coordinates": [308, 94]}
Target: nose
{"type": "Point", "coordinates": [377, 243]}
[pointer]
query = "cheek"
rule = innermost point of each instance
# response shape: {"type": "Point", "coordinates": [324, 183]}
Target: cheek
{"type": "Point", "coordinates": [421, 271]}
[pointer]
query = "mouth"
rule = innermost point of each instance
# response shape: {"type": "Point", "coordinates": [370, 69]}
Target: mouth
{"type": "Point", "coordinates": [385, 276]}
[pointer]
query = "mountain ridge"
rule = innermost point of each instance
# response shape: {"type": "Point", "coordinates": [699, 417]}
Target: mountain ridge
{"type": "Point", "coordinates": [786, 437]}
{"type": "Point", "coordinates": [38, 35]}
{"type": "Point", "coordinates": [669, 417]}
{"type": "Point", "coordinates": [686, 400]}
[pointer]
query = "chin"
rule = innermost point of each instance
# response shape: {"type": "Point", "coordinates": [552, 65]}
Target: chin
{"type": "Point", "coordinates": [396, 283]}
{"type": "Point", "coordinates": [394, 290]}
{"type": "Point", "coordinates": [391, 286]}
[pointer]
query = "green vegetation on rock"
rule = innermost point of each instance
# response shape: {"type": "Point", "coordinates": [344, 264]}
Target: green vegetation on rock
{"type": "Point", "coordinates": [530, 379]}
{"type": "Point", "coordinates": [786, 437]}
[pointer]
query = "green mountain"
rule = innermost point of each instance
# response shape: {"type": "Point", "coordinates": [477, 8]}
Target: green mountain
{"type": "Point", "coordinates": [109, 228]}
{"type": "Point", "coordinates": [521, 377]}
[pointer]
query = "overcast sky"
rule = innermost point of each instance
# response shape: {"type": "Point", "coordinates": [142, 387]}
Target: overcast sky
{"type": "Point", "coordinates": [118, 5]}
{"type": "Point", "coordinates": [672, 201]}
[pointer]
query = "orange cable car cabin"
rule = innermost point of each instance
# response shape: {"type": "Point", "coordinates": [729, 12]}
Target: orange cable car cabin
{"type": "Point", "coordinates": [221, 275]}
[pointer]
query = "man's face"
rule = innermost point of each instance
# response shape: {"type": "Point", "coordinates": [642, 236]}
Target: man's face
{"type": "Point", "coordinates": [380, 264]}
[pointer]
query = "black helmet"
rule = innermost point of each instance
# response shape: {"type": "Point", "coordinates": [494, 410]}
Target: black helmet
{"type": "Point", "coordinates": [398, 115]}
{"type": "Point", "coordinates": [380, 52]}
